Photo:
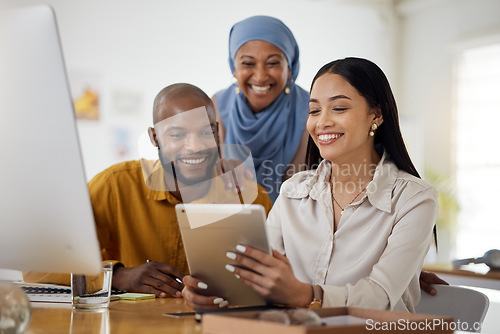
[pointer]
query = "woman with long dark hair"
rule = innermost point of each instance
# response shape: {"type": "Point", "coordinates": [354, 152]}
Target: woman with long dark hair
{"type": "Point", "coordinates": [372, 84]}
{"type": "Point", "coordinates": [354, 230]}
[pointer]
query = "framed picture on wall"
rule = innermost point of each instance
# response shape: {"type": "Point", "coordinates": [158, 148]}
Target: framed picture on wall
{"type": "Point", "coordinates": [85, 90]}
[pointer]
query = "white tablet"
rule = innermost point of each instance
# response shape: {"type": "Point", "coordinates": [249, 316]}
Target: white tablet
{"type": "Point", "coordinates": [208, 232]}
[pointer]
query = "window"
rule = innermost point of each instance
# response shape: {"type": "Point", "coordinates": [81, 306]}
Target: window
{"type": "Point", "coordinates": [478, 150]}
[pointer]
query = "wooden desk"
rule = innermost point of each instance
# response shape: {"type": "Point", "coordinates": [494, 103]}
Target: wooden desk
{"type": "Point", "coordinates": [478, 275]}
{"type": "Point", "coordinates": [122, 317]}
{"type": "Point", "coordinates": [472, 270]}
{"type": "Point", "coordinates": [144, 316]}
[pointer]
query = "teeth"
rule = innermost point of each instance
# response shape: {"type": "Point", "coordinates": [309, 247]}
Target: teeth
{"type": "Point", "coordinates": [193, 161]}
{"type": "Point", "coordinates": [328, 137]}
{"type": "Point", "coordinates": [261, 89]}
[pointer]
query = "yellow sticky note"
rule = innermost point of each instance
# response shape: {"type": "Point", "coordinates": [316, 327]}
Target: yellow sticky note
{"type": "Point", "coordinates": [136, 296]}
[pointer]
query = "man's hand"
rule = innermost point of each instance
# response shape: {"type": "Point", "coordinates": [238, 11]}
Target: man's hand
{"type": "Point", "coordinates": [426, 281]}
{"type": "Point", "coordinates": [151, 277]}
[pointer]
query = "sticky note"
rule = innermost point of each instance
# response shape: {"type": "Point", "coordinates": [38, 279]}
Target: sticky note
{"type": "Point", "coordinates": [136, 296]}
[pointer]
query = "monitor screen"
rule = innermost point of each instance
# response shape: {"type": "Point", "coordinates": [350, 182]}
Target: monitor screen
{"type": "Point", "coordinates": [46, 219]}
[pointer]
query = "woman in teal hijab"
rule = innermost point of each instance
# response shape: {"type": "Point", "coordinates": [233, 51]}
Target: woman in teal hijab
{"type": "Point", "coordinates": [265, 110]}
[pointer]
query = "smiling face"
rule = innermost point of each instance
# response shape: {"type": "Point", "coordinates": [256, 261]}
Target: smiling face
{"type": "Point", "coordinates": [261, 70]}
{"type": "Point", "coordinates": [186, 136]}
{"type": "Point", "coordinates": [340, 119]}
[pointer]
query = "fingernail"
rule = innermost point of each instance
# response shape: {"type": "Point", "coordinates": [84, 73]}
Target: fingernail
{"type": "Point", "coordinates": [229, 185]}
{"type": "Point", "coordinates": [223, 304]}
{"type": "Point", "coordinates": [231, 255]}
{"type": "Point", "coordinates": [178, 294]}
{"type": "Point", "coordinates": [163, 294]}
{"type": "Point", "coordinates": [241, 248]}
{"type": "Point", "coordinates": [202, 285]}
{"type": "Point", "coordinates": [237, 276]}
{"type": "Point", "coordinates": [218, 300]}
{"type": "Point", "coordinates": [230, 268]}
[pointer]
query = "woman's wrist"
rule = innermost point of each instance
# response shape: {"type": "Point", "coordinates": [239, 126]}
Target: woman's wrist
{"type": "Point", "coordinates": [304, 296]}
{"type": "Point", "coordinates": [317, 301]}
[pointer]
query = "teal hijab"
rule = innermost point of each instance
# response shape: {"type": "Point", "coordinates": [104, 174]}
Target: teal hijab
{"type": "Point", "coordinates": [273, 135]}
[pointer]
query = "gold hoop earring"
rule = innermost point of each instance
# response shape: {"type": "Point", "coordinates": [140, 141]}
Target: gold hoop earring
{"type": "Point", "coordinates": [237, 90]}
{"type": "Point", "coordinates": [373, 129]}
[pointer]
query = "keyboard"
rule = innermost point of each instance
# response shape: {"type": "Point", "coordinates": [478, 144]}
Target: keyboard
{"type": "Point", "coordinates": [48, 294]}
{"type": "Point", "coordinates": [52, 294]}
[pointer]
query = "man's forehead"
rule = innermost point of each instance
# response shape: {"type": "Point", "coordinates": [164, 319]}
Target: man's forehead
{"type": "Point", "coordinates": [193, 117]}
{"type": "Point", "coordinates": [174, 105]}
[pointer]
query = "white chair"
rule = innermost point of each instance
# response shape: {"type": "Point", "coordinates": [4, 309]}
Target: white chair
{"type": "Point", "coordinates": [463, 304]}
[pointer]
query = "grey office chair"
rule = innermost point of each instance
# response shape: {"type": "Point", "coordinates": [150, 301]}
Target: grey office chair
{"type": "Point", "coordinates": [463, 304]}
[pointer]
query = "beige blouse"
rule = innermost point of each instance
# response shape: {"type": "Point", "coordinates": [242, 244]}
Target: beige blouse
{"type": "Point", "coordinates": [374, 258]}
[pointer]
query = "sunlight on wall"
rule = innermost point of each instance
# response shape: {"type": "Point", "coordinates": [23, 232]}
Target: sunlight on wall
{"type": "Point", "coordinates": [477, 150]}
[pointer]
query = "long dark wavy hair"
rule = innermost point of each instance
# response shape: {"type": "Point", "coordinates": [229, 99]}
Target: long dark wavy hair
{"type": "Point", "coordinates": [371, 82]}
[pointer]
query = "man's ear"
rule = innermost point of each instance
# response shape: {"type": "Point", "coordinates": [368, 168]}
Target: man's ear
{"type": "Point", "coordinates": [152, 137]}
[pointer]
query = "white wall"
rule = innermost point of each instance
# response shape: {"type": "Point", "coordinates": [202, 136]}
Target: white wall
{"type": "Point", "coordinates": [432, 34]}
{"type": "Point", "coordinates": [137, 47]}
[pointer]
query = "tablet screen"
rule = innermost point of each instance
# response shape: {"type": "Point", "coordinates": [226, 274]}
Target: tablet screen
{"type": "Point", "coordinates": [208, 232]}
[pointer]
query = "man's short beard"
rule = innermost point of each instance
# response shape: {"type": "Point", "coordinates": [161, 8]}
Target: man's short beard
{"type": "Point", "coordinates": [171, 170]}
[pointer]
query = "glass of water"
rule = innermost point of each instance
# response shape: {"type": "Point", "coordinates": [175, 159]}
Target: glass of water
{"type": "Point", "coordinates": [92, 291]}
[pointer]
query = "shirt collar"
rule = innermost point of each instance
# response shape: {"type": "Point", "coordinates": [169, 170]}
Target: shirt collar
{"type": "Point", "coordinates": [314, 183]}
{"type": "Point", "coordinates": [379, 190]}
{"type": "Point", "coordinates": [157, 190]}
{"type": "Point", "coordinates": [153, 177]}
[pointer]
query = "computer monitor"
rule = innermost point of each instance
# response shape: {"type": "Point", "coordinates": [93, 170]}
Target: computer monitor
{"type": "Point", "coordinates": [46, 219]}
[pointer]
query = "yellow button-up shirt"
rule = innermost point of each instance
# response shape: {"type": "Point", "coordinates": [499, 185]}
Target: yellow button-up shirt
{"type": "Point", "coordinates": [136, 221]}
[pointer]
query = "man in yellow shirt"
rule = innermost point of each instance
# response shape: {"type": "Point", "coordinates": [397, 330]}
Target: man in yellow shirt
{"type": "Point", "coordinates": [134, 201]}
